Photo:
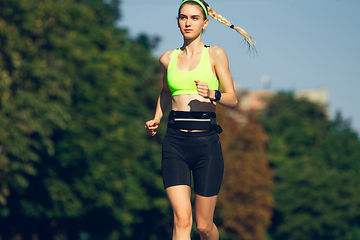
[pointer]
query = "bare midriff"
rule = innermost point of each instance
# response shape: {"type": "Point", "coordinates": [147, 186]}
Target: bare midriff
{"type": "Point", "coordinates": [192, 103]}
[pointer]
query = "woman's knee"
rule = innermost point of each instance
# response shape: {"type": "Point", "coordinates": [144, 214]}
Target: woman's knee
{"type": "Point", "coordinates": [183, 221]}
{"type": "Point", "coordinates": [205, 228]}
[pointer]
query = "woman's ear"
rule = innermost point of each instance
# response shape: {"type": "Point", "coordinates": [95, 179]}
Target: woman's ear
{"type": "Point", "coordinates": [206, 23]}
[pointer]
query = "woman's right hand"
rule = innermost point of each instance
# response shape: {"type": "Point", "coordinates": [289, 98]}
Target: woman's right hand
{"type": "Point", "coordinates": [151, 127]}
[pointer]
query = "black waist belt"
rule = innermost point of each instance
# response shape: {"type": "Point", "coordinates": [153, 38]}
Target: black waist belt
{"type": "Point", "coordinates": [193, 121]}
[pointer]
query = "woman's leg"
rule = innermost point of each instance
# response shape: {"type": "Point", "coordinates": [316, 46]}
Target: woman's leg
{"type": "Point", "coordinates": [179, 197]}
{"type": "Point", "coordinates": [204, 213]}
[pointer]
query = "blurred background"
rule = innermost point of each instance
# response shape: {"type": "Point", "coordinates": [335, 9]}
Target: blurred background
{"type": "Point", "coordinates": [79, 78]}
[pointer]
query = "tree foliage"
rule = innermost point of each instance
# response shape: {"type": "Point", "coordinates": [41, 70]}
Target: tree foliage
{"type": "Point", "coordinates": [75, 161]}
{"type": "Point", "coordinates": [316, 166]}
{"type": "Point", "coordinates": [245, 201]}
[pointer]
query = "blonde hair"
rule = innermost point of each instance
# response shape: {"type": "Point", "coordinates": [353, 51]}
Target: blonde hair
{"type": "Point", "coordinates": [249, 39]}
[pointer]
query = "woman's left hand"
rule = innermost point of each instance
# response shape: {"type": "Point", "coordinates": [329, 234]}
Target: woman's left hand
{"type": "Point", "coordinates": [203, 89]}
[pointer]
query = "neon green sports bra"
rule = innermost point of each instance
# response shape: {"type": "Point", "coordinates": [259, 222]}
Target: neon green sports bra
{"type": "Point", "coordinates": [182, 83]}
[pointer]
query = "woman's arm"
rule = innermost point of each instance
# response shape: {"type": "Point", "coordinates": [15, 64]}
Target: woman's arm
{"type": "Point", "coordinates": [164, 98]}
{"type": "Point", "coordinates": [220, 61]}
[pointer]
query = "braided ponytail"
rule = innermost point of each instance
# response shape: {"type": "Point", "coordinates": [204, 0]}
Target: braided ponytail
{"type": "Point", "coordinates": [249, 39]}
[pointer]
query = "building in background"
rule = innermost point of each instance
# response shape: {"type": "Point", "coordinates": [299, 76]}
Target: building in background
{"type": "Point", "coordinates": [251, 101]}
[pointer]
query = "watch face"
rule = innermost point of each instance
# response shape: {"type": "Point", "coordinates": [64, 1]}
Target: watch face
{"type": "Point", "coordinates": [217, 95]}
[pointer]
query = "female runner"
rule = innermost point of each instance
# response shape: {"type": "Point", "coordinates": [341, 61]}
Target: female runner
{"type": "Point", "coordinates": [191, 77]}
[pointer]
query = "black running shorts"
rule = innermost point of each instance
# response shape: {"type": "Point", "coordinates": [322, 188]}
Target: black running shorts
{"type": "Point", "coordinates": [198, 153]}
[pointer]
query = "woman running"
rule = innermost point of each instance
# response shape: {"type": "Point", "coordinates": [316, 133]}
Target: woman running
{"type": "Point", "coordinates": [191, 78]}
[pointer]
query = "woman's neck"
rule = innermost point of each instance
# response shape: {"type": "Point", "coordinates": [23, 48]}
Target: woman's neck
{"type": "Point", "coordinates": [192, 46]}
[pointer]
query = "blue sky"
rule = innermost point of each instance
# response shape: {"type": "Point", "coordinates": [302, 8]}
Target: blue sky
{"type": "Point", "coordinates": [302, 44]}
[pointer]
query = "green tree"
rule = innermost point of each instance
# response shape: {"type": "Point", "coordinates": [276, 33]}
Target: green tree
{"type": "Point", "coordinates": [316, 166]}
{"type": "Point", "coordinates": [75, 161]}
{"type": "Point", "coordinates": [35, 91]}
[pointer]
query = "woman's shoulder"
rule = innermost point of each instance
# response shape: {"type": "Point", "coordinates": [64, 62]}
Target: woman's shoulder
{"type": "Point", "coordinates": [217, 54]}
{"type": "Point", "coordinates": [216, 51]}
{"type": "Point", "coordinates": [165, 58]}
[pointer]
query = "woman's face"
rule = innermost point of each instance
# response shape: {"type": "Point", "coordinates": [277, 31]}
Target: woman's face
{"type": "Point", "coordinates": [191, 21]}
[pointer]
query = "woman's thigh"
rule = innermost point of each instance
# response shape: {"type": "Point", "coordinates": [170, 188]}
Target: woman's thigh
{"type": "Point", "coordinates": [179, 197]}
{"type": "Point", "coordinates": [204, 209]}
{"type": "Point", "coordinates": [209, 168]}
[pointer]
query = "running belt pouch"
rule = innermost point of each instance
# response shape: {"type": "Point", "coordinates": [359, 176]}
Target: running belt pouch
{"type": "Point", "coordinates": [191, 125]}
{"type": "Point", "coordinates": [193, 121]}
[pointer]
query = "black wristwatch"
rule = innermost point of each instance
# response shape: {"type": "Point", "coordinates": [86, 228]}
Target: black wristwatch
{"type": "Point", "coordinates": [217, 96]}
